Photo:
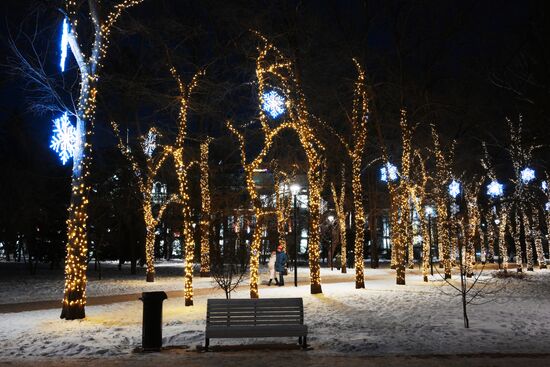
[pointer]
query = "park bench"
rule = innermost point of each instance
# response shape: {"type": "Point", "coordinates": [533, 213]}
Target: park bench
{"type": "Point", "coordinates": [255, 318]}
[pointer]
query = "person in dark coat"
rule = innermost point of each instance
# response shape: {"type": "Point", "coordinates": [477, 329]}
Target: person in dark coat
{"type": "Point", "coordinates": [280, 264]}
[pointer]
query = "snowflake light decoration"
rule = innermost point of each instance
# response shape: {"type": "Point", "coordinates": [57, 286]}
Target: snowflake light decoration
{"type": "Point", "coordinates": [273, 103]}
{"type": "Point", "coordinates": [64, 138]}
{"type": "Point", "coordinates": [527, 175]}
{"type": "Point", "coordinates": [544, 185]}
{"type": "Point", "coordinates": [454, 188]}
{"type": "Point", "coordinates": [150, 143]}
{"type": "Point", "coordinates": [388, 171]}
{"type": "Point", "coordinates": [64, 44]}
{"type": "Point", "coordinates": [429, 210]}
{"type": "Point", "coordinates": [547, 206]}
{"type": "Point", "coordinates": [494, 189]}
{"type": "Point", "coordinates": [454, 208]}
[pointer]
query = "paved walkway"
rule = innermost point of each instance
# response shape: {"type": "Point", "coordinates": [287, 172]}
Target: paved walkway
{"type": "Point", "coordinates": [118, 298]}
{"type": "Point", "coordinates": [275, 357]}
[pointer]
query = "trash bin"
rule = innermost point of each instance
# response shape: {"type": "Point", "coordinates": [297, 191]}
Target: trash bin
{"type": "Point", "coordinates": [151, 340]}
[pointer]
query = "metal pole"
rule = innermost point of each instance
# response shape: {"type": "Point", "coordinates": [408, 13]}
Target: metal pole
{"type": "Point", "coordinates": [430, 240]}
{"type": "Point", "coordinates": [295, 242]}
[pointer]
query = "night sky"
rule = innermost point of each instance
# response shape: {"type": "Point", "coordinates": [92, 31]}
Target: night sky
{"type": "Point", "coordinates": [462, 65]}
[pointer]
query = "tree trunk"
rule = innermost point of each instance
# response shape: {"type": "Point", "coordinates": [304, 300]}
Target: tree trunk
{"type": "Point", "coordinates": [76, 260]}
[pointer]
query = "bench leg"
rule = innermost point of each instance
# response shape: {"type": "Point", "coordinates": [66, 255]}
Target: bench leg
{"type": "Point", "coordinates": [206, 344]}
{"type": "Point", "coordinates": [300, 340]}
{"type": "Point", "coordinates": [304, 342]}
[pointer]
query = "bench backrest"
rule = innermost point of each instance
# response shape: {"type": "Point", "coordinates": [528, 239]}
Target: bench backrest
{"type": "Point", "coordinates": [249, 312]}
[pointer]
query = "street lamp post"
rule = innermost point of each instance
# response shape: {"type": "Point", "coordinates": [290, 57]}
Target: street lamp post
{"type": "Point", "coordinates": [330, 254]}
{"type": "Point", "coordinates": [295, 189]}
{"type": "Point", "coordinates": [430, 211]}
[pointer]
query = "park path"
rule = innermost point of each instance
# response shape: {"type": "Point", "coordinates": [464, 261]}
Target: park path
{"type": "Point", "coordinates": [118, 298]}
{"type": "Point", "coordinates": [274, 356]}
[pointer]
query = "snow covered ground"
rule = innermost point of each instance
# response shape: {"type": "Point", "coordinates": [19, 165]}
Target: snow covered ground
{"type": "Point", "coordinates": [382, 320]}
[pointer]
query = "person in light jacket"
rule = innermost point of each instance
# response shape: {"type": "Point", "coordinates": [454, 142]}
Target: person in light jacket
{"type": "Point", "coordinates": [280, 264]}
{"type": "Point", "coordinates": [271, 267]}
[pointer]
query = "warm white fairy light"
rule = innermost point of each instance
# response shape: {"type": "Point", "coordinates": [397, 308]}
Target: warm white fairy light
{"type": "Point", "coordinates": [64, 46]}
{"type": "Point", "coordinates": [273, 103]}
{"type": "Point", "coordinates": [64, 138]}
{"type": "Point", "coordinates": [527, 175]}
{"type": "Point", "coordinates": [150, 143]}
{"type": "Point", "coordinates": [495, 189]}
{"type": "Point", "coordinates": [388, 172]}
{"type": "Point", "coordinates": [89, 65]}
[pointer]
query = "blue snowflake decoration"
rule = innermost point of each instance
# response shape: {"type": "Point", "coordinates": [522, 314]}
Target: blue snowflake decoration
{"type": "Point", "coordinates": [64, 46]}
{"type": "Point", "coordinates": [388, 172]}
{"type": "Point", "coordinates": [454, 188]}
{"type": "Point", "coordinates": [273, 104]}
{"type": "Point", "coordinates": [527, 175]}
{"type": "Point", "coordinates": [150, 143]}
{"type": "Point", "coordinates": [64, 138]}
{"type": "Point", "coordinates": [495, 189]}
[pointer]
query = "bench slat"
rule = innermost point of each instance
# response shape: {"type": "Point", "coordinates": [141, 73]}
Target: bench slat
{"type": "Point", "coordinates": [256, 331]}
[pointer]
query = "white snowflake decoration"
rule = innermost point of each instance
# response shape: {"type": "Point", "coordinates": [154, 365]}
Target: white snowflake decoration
{"type": "Point", "coordinates": [544, 185]}
{"type": "Point", "coordinates": [273, 103]}
{"type": "Point", "coordinates": [430, 211]}
{"type": "Point", "coordinates": [494, 189]}
{"type": "Point", "coordinates": [527, 175]}
{"type": "Point", "coordinates": [454, 188]}
{"type": "Point", "coordinates": [389, 171]}
{"type": "Point", "coordinates": [547, 206]}
{"type": "Point", "coordinates": [150, 143]}
{"type": "Point", "coordinates": [64, 138]}
{"type": "Point", "coordinates": [454, 208]}
{"type": "Point", "coordinates": [64, 44]}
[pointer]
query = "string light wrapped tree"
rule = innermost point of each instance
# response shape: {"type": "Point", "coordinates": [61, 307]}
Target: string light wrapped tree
{"type": "Point", "coordinates": [89, 67]}
{"type": "Point", "coordinates": [339, 201]}
{"type": "Point", "coordinates": [418, 196]}
{"type": "Point", "coordinates": [145, 175]}
{"type": "Point", "coordinates": [260, 212]}
{"type": "Point", "coordinates": [472, 224]}
{"type": "Point", "coordinates": [496, 222]}
{"type": "Point", "coordinates": [283, 204]}
{"type": "Point", "coordinates": [273, 66]}
{"type": "Point", "coordinates": [441, 178]}
{"type": "Point", "coordinates": [182, 171]}
{"type": "Point", "coordinates": [400, 200]}
{"type": "Point", "coordinates": [205, 208]}
{"type": "Point", "coordinates": [525, 205]}
{"type": "Point", "coordinates": [355, 149]}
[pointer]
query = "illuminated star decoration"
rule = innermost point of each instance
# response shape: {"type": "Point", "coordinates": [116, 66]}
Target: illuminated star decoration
{"type": "Point", "coordinates": [454, 188]}
{"type": "Point", "coordinates": [273, 103]}
{"type": "Point", "coordinates": [494, 189]}
{"type": "Point", "coordinates": [64, 44]}
{"type": "Point", "coordinates": [388, 171]}
{"type": "Point", "coordinates": [544, 185]}
{"type": "Point", "coordinates": [150, 143]}
{"type": "Point", "coordinates": [64, 138]}
{"type": "Point", "coordinates": [527, 175]}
